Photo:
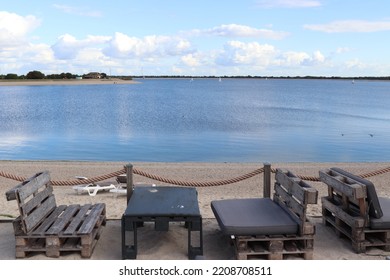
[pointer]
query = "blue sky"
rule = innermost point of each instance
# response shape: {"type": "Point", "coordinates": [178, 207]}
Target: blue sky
{"type": "Point", "coordinates": [176, 37]}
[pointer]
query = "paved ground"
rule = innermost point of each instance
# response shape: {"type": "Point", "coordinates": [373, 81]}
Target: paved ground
{"type": "Point", "coordinates": [172, 245]}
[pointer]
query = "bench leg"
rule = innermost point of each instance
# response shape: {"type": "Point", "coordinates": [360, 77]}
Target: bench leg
{"type": "Point", "coordinates": [53, 246]}
{"type": "Point", "coordinates": [86, 246]}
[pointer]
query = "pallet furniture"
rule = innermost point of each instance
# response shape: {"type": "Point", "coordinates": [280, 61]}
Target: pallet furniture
{"type": "Point", "coordinates": [162, 205]}
{"type": "Point", "coordinates": [45, 227]}
{"type": "Point", "coordinates": [354, 210]}
{"type": "Point", "coordinates": [262, 228]}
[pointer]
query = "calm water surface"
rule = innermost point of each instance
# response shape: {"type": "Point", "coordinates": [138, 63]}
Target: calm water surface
{"type": "Point", "coordinates": [175, 120]}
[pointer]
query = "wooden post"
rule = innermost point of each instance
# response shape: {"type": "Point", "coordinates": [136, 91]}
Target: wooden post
{"type": "Point", "coordinates": [129, 181]}
{"type": "Point", "coordinates": [267, 180]}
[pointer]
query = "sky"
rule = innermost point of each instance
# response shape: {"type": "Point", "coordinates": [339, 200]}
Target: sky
{"type": "Point", "coordinates": [196, 37]}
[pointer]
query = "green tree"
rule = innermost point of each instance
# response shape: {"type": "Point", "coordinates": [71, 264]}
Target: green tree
{"type": "Point", "coordinates": [11, 76]}
{"type": "Point", "coordinates": [35, 75]}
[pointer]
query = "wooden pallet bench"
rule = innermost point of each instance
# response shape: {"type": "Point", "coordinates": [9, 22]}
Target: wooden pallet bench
{"type": "Point", "coordinates": [354, 211]}
{"type": "Point", "coordinates": [264, 228]}
{"type": "Point", "coordinates": [274, 247]}
{"type": "Point", "coordinates": [45, 227]}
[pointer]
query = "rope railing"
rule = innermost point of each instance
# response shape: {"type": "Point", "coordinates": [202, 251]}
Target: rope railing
{"type": "Point", "coordinates": [199, 184]}
{"type": "Point", "coordinates": [178, 182]}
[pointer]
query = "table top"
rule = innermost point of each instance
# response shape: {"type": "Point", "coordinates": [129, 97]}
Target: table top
{"type": "Point", "coordinates": [163, 201]}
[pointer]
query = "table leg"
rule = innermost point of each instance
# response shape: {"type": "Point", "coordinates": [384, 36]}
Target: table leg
{"type": "Point", "coordinates": [129, 250]}
{"type": "Point", "coordinates": [194, 251]}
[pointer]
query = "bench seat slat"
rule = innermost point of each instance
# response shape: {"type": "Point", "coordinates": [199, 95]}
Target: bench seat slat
{"type": "Point", "coordinates": [49, 220]}
{"type": "Point", "coordinates": [77, 220]}
{"type": "Point", "coordinates": [61, 221]}
{"type": "Point", "coordinates": [93, 216]}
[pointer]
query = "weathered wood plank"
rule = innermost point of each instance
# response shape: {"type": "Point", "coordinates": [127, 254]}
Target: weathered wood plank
{"type": "Point", "coordinates": [292, 204]}
{"type": "Point", "coordinates": [343, 184]}
{"type": "Point", "coordinates": [273, 247]}
{"type": "Point", "coordinates": [63, 220]}
{"type": "Point", "coordinates": [35, 217]}
{"type": "Point", "coordinates": [49, 220]}
{"type": "Point", "coordinates": [354, 222]}
{"type": "Point", "coordinates": [27, 188]}
{"type": "Point", "coordinates": [11, 194]}
{"type": "Point", "coordinates": [93, 216]}
{"type": "Point", "coordinates": [35, 201]}
{"type": "Point", "coordinates": [77, 220]}
{"type": "Point", "coordinates": [297, 187]}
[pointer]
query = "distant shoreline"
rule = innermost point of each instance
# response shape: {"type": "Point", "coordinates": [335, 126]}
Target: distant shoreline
{"type": "Point", "coordinates": [65, 82]}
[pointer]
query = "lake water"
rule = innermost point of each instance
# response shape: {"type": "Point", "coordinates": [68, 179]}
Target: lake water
{"type": "Point", "coordinates": [176, 120]}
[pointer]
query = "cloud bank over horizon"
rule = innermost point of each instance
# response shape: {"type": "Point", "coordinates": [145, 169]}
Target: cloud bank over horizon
{"type": "Point", "coordinates": [227, 48]}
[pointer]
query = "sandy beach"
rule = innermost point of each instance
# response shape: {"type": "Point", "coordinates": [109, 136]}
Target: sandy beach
{"type": "Point", "coordinates": [74, 82]}
{"type": "Point", "coordinates": [199, 172]}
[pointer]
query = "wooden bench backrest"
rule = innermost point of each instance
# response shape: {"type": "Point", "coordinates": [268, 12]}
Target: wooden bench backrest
{"type": "Point", "coordinates": [35, 200]}
{"type": "Point", "coordinates": [294, 195]}
{"type": "Point", "coordinates": [349, 193]}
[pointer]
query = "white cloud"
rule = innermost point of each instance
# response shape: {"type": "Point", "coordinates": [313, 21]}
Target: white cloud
{"type": "Point", "coordinates": [288, 3]}
{"type": "Point", "coordinates": [293, 59]}
{"type": "Point", "coordinates": [239, 53]}
{"type": "Point", "coordinates": [67, 46]}
{"type": "Point", "coordinates": [14, 28]}
{"type": "Point", "coordinates": [79, 11]}
{"type": "Point", "coordinates": [318, 57]}
{"type": "Point", "coordinates": [191, 60]}
{"type": "Point", "coordinates": [236, 30]}
{"type": "Point", "coordinates": [122, 45]}
{"type": "Point", "coordinates": [350, 26]}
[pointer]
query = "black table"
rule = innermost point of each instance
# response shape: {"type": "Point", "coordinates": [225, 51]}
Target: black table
{"type": "Point", "coordinates": [162, 205]}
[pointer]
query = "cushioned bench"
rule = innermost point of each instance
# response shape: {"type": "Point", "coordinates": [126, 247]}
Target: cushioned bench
{"type": "Point", "coordinates": [253, 216]}
{"type": "Point", "coordinates": [265, 227]}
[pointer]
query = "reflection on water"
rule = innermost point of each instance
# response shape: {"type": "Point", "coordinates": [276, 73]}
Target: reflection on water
{"type": "Point", "coordinates": [240, 120]}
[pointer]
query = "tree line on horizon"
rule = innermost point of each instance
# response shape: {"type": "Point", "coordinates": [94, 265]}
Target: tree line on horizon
{"type": "Point", "coordinates": [36, 75]}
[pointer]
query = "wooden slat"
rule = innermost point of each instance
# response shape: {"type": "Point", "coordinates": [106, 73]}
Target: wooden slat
{"type": "Point", "coordinates": [343, 184]}
{"type": "Point", "coordinates": [76, 222]}
{"type": "Point", "coordinates": [34, 218]}
{"type": "Point", "coordinates": [93, 216]}
{"type": "Point", "coordinates": [355, 222]}
{"type": "Point", "coordinates": [63, 220]}
{"type": "Point", "coordinates": [11, 194]}
{"type": "Point", "coordinates": [49, 220]}
{"type": "Point", "coordinates": [27, 188]}
{"type": "Point", "coordinates": [295, 217]}
{"type": "Point", "coordinates": [295, 186]}
{"type": "Point", "coordinates": [35, 201]}
{"type": "Point", "coordinates": [289, 201]}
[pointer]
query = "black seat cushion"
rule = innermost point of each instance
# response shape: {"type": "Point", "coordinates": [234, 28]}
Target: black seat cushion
{"type": "Point", "coordinates": [252, 216]}
{"type": "Point", "coordinates": [375, 210]}
{"type": "Point", "coordinates": [384, 221]}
